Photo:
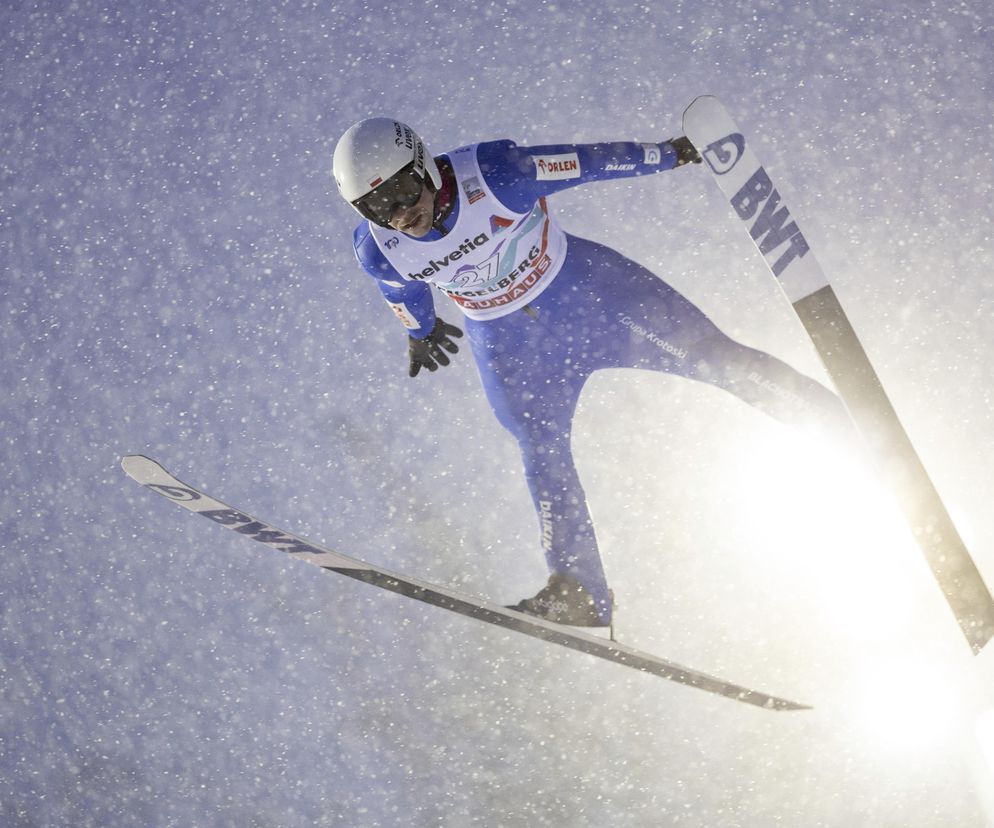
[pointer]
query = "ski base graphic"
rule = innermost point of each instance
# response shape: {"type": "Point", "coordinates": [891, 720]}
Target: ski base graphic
{"type": "Point", "coordinates": [155, 478]}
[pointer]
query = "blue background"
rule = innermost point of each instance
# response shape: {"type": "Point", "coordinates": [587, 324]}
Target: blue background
{"type": "Point", "coordinates": [178, 281]}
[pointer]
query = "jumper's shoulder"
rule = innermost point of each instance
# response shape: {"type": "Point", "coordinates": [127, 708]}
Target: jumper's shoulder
{"type": "Point", "coordinates": [369, 255]}
{"type": "Point", "coordinates": [504, 157]}
{"type": "Point", "coordinates": [509, 171]}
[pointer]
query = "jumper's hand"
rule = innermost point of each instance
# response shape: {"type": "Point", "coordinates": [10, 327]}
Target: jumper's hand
{"type": "Point", "coordinates": [427, 352]}
{"type": "Point", "coordinates": [686, 153]}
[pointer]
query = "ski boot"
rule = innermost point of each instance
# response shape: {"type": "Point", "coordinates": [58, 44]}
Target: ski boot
{"type": "Point", "coordinates": [563, 601]}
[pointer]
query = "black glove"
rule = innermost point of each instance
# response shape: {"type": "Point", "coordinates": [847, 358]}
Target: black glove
{"type": "Point", "coordinates": [685, 151]}
{"type": "Point", "coordinates": [427, 352]}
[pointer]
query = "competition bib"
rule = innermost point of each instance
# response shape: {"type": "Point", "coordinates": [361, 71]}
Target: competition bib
{"type": "Point", "coordinates": [493, 261]}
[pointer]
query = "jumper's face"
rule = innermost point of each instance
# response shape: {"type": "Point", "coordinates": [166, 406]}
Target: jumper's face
{"type": "Point", "coordinates": [415, 220]}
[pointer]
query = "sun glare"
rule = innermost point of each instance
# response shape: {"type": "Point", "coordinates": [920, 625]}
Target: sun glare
{"type": "Point", "coordinates": [907, 705]}
{"type": "Point", "coordinates": [803, 499]}
{"type": "Point", "coordinates": [985, 736]}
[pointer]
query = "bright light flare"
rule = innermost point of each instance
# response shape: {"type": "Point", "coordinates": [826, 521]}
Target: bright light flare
{"type": "Point", "coordinates": [908, 706]}
{"type": "Point", "coordinates": [985, 736]}
{"type": "Point", "coordinates": [812, 505]}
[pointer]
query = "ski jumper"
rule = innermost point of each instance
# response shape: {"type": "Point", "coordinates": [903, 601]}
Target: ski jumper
{"type": "Point", "coordinates": [545, 309]}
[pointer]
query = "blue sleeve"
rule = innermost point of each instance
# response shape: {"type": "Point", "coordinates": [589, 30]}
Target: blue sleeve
{"type": "Point", "coordinates": [519, 176]}
{"type": "Point", "coordinates": [411, 301]}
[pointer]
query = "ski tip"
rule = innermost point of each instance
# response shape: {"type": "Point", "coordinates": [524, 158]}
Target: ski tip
{"type": "Point", "coordinates": [138, 466]}
{"type": "Point", "coordinates": [700, 100]}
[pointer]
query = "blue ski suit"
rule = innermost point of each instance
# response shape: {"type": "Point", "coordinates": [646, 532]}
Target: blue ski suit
{"type": "Point", "coordinates": [542, 315]}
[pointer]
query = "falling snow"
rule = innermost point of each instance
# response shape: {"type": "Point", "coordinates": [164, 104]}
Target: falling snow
{"type": "Point", "coordinates": [178, 281]}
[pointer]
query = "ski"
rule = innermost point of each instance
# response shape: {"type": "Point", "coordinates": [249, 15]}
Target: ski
{"type": "Point", "coordinates": [154, 477]}
{"type": "Point", "coordinates": [757, 202]}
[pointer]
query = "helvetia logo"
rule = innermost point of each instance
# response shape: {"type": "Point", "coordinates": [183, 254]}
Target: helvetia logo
{"type": "Point", "coordinates": [436, 266]}
{"type": "Point", "coordinates": [722, 155]}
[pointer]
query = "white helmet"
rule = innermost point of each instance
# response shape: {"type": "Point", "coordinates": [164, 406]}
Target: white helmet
{"type": "Point", "coordinates": [381, 163]}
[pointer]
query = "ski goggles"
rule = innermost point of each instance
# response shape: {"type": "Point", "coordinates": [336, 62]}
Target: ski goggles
{"type": "Point", "coordinates": [403, 189]}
